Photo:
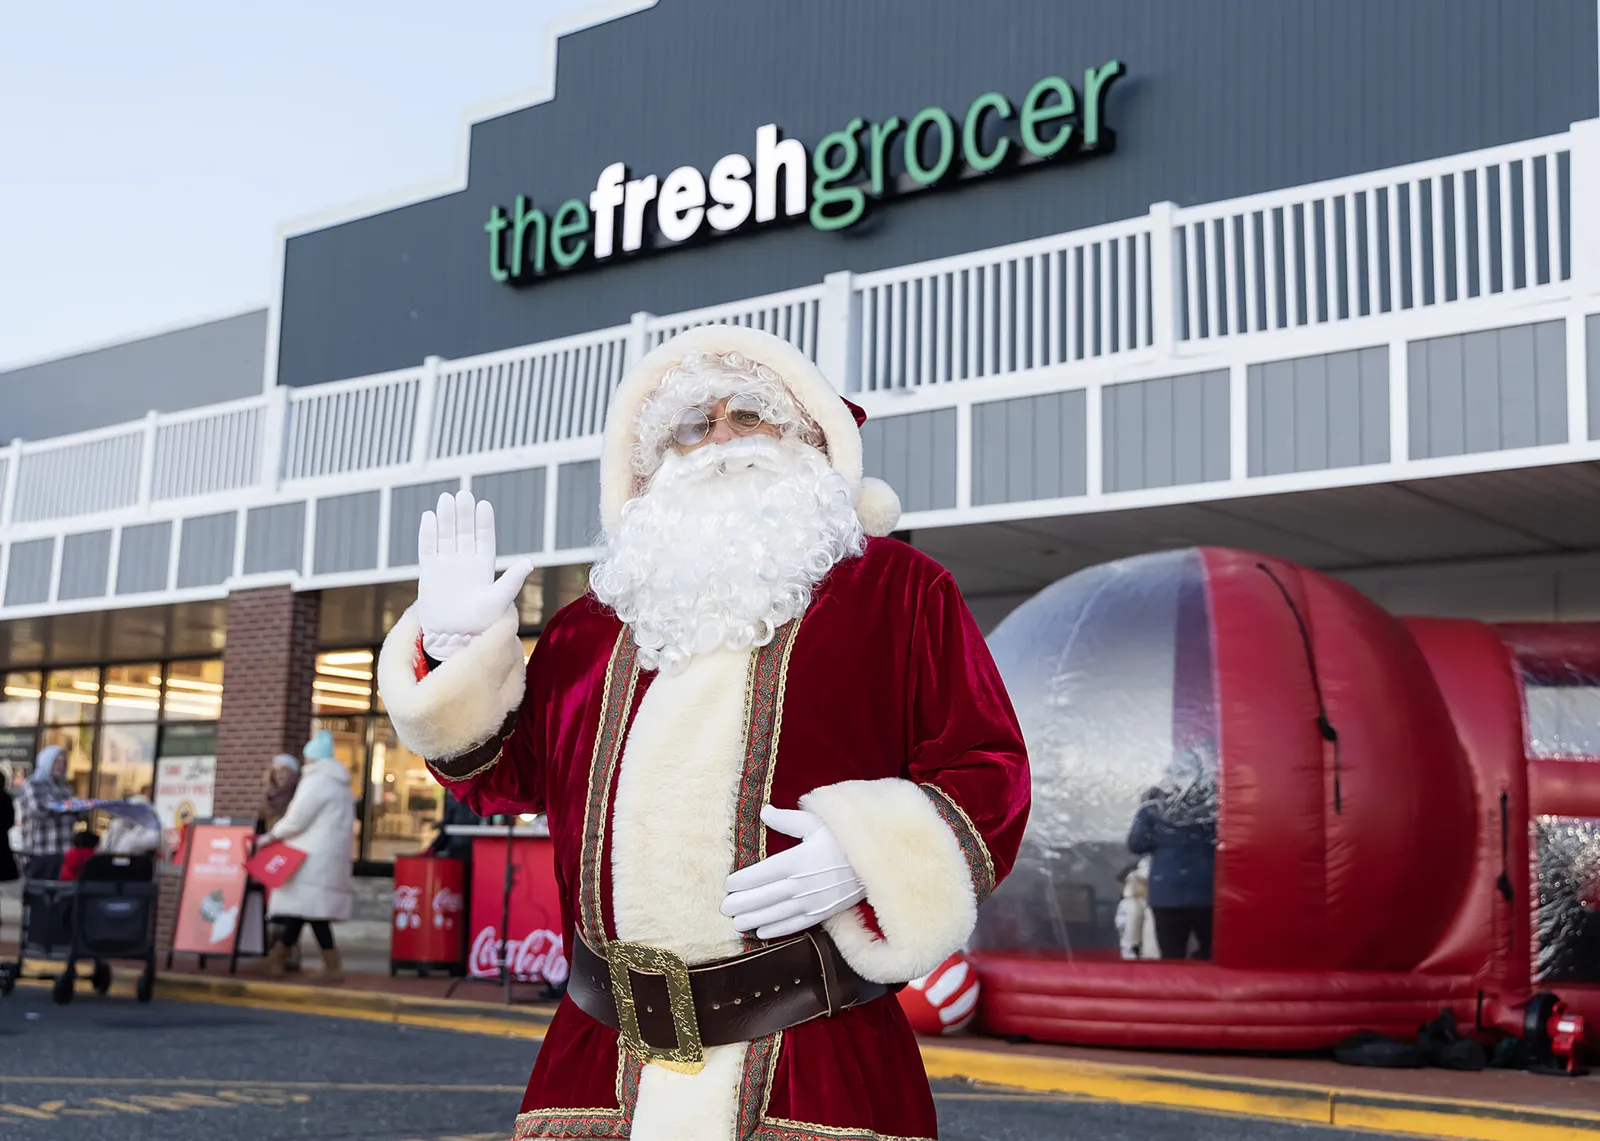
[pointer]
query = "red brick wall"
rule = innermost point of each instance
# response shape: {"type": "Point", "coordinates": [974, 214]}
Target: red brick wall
{"type": "Point", "coordinates": [268, 665]}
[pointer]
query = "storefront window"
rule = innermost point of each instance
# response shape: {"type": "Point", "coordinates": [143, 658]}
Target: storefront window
{"type": "Point", "coordinates": [127, 762]}
{"type": "Point", "coordinates": [403, 801]}
{"type": "Point", "coordinates": [132, 693]}
{"type": "Point", "coordinates": [78, 741]}
{"type": "Point", "coordinates": [343, 683]}
{"type": "Point", "coordinates": [19, 700]}
{"type": "Point", "coordinates": [71, 696]}
{"type": "Point", "coordinates": [194, 691]}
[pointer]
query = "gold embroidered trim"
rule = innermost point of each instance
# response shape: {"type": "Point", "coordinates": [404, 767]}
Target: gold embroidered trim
{"type": "Point", "coordinates": [616, 703]}
{"type": "Point", "coordinates": [979, 862]}
{"type": "Point", "coordinates": [483, 768]}
{"type": "Point", "coordinates": [782, 1129]}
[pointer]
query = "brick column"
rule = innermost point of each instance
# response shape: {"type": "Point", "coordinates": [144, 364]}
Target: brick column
{"type": "Point", "coordinates": [268, 665]}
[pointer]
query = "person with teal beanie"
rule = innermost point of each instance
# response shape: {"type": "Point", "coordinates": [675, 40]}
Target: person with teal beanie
{"type": "Point", "coordinates": [318, 822]}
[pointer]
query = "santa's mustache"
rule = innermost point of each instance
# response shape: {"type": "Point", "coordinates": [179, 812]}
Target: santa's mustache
{"type": "Point", "coordinates": [754, 453]}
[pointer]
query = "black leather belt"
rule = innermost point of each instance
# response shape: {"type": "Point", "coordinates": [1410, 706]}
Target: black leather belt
{"type": "Point", "coordinates": [668, 1012]}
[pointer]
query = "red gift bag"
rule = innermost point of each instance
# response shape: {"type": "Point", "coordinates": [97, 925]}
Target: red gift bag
{"type": "Point", "coordinates": [275, 864]}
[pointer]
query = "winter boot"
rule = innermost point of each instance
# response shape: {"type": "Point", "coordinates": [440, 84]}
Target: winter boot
{"type": "Point", "coordinates": [331, 972]}
{"type": "Point", "coordinates": [277, 958]}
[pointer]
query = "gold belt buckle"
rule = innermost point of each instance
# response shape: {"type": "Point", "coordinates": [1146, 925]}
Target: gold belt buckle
{"type": "Point", "coordinates": [688, 1056]}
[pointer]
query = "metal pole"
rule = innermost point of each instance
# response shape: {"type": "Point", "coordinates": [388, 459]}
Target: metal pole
{"type": "Point", "coordinates": [505, 910]}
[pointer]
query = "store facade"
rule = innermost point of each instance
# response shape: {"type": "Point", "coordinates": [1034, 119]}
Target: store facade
{"type": "Point", "coordinates": [1320, 279]}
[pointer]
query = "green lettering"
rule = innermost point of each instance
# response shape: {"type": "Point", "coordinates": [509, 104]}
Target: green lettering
{"type": "Point", "coordinates": [1035, 112]}
{"type": "Point", "coordinates": [825, 189]}
{"type": "Point", "coordinates": [972, 132]}
{"type": "Point", "coordinates": [882, 133]}
{"type": "Point", "coordinates": [570, 220]}
{"type": "Point", "coordinates": [494, 227]}
{"type": "Point", "coordinates": [930, 117]}
{"type": "Point", "coordinates": [525, 218]}
{"type": "Point", "coordinates": [1097, 83]}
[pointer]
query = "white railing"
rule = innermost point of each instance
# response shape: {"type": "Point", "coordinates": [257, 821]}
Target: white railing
{"type": "Point", "coordinates": [350, 426]}
{"type": "Point", "coordinates": [95, 471]}
{"type": "Point", "coordinates": [208, 450]}
{"type": "Point", "coordinates": [1172, 282]}
{"type": "Point", "coordinates": [791, 315]}
{"type": "Point", "coordinates": [1436, 232]}
{"type": "Point", "coordinates": [1071, 297]}
{"type": "Point", "coordinates": [556, 390]}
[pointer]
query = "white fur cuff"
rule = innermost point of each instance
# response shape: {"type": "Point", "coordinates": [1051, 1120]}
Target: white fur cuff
{"type": "Point", "coordinates": [464, 700]}
{"type": "Point", "coordinates": [919, 882]}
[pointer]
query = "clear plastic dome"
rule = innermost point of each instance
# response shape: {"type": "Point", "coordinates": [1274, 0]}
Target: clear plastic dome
{"type": "Point", "coordinates": [1111, 674]}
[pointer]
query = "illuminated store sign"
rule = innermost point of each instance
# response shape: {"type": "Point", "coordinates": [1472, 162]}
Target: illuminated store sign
{"type": "Point", "coordinates": [848, 170]}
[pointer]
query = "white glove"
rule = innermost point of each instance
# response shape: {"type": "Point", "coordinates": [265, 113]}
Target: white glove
{"type": "Point", "coordinates": [458, 597]}
{"type": "Point", "coordinates": [796, 889]}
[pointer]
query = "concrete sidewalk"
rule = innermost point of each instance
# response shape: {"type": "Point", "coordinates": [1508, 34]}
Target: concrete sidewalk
{"type": "Point", "coordinates": [1494, 1105]}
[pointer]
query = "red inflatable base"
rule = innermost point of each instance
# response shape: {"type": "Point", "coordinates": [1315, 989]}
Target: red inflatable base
{"type": "Point", "coordinates": [1200, 1006]}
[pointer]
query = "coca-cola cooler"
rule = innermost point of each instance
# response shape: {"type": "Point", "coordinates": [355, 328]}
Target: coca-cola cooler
{"type": "Point", "coordinates": [429, 929]}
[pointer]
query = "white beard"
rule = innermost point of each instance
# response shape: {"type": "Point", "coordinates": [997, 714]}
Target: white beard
{"type": "Point", "coordinates": [725, 546]}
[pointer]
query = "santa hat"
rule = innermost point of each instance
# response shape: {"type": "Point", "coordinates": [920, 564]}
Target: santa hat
{"type": "Point", "coordinates": [877, 506]}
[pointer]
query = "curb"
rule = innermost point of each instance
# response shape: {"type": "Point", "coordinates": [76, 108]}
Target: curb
{"type": "Point", "coordinates": [1062, 1077]}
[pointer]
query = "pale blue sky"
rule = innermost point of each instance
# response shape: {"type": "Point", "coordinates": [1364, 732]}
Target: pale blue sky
{"type": "Point", "coordinates": [149, 151]}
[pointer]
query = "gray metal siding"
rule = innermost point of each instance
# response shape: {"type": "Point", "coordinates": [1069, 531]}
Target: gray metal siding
{"type": "Point", "coordinates": [577, 504]}
{"type": "Point", "coordinates": [346, 533]}
{"type": "Point", "coordinates": [1319, 412]}
{"type": "Point", "coordinates": [1029, 448]}
{"type": "Point", "coordinates": [916, 455]}
{"type": "Point", "coordinates": [518, 498]}
{"type": "Point", "coordinates": [205, 549]}
{"type": "Point", "coordinates": [203, 364]}
{"type": "Point", "coordinates": [1219, 101]}
{"type": "Point", "coordinates": [274, 538]}
{"type": "Point", "coordinates": [1164, 432]}
{"type": "Point", "coordinates": [85, 559]}
{"type": "Point", "coordinates": [142, 558]}
{"type": "Point", "coordinates": [28, 571]}
{"type": "Point", "coordinates": [1591, 342]}
{"type": "Point", "coordinates": [406, 505]}
{"type": "Point", "coordinates": [1488, 391]}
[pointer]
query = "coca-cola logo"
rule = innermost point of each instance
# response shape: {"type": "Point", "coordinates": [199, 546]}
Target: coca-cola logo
{"type": "Point", "coordinates": [407, 897]}
{"type": "Point", "coordinates": [446, 902]}
{"type": "Point", "coordinates": [539, 956]}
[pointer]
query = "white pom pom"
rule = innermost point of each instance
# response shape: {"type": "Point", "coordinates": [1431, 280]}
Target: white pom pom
{"type": "Point", "coordinates": [877, 506]}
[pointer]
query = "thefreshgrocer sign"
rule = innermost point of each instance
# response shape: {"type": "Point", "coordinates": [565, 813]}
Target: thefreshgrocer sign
{"type": "Point", "coordinates": [832, 184]}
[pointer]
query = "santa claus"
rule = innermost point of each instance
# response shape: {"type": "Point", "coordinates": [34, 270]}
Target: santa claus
{"type": "Point", "coordinates": [780, 769]}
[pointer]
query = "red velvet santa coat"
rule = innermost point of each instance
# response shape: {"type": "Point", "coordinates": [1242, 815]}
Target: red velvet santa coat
{"type": "Point", "coordinates": [881, 711]}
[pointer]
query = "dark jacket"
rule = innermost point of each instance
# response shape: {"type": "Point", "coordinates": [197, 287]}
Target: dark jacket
{"type": "Point", "coordinates": [1183, 858]}
{"type": "Point", "coordinates": [460, 847]}
{"type": "Point", "coordinates": [8, 819]}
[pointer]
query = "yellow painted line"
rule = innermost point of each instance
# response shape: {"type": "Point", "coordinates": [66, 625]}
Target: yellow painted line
{"type": "Point", "coordinates": [1312, 1104]}
{"type": "Point", "coordinates": [263, 1083]}
{"type": "Point", "coordinates": [1098, 1081]}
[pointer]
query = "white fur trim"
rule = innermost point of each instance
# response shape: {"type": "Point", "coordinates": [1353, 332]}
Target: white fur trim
{"type": "Point", "coordinates": [810, 388]}
{"type": "Point", "coordinates": [691, 1107]}
{"type": "Point", "coordinates": [671, 852]}
{"type": "Point", "coordinates": [462, 702]}
{"type": "Point", "coordinates": [877, 506]}
{"type": "Point", "coordinates": [919, 885]}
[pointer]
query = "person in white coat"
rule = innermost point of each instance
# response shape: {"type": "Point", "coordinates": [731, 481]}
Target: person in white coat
{"type": "Point", "coordinates": [318, 822]}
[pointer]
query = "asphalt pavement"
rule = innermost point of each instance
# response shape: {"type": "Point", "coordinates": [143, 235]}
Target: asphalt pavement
{"type": "Point", "coordinates": [178, 1071]}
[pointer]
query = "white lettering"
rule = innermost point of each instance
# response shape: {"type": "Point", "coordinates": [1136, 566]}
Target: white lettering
{"type": "Point", "coordinates": [539, 956]}
{"type": "Point", "coordinates": [406, 897]}
{"type": "Point", "coordinates": [603, 202]}
{"type": "Point", "coordinates": [731, 193]}
{"type": "Point", "coordinates": [771, 156]}
{"type": "Point", "coordinates": [681, 207]}
{"type": "Point", "coordinates": [446, 902]}
{"type": "Point", "coordinates": [639, 193]}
